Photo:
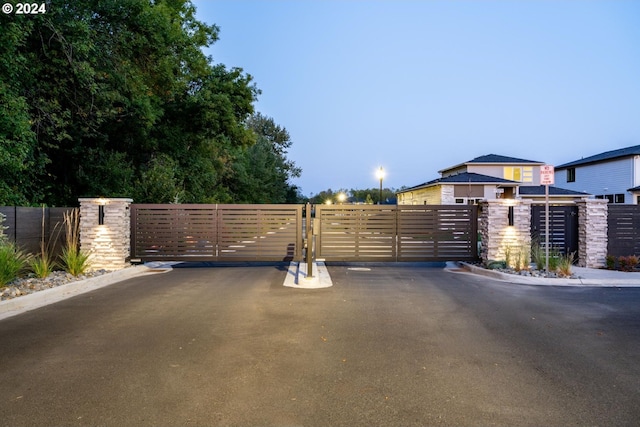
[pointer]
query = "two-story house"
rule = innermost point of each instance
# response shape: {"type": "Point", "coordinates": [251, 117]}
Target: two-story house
{"type": "Point", "coordinates": [486, 177]}
{"type": "Point", "coordinates": [612, 175]}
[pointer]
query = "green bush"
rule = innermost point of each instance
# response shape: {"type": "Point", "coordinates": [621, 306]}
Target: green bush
{"type": "Point", "coordinates": [42, 265]}
{"type": "Point", "coordinates": [74, 261]}
{"type": "Point", "coordinates": [13, 262]}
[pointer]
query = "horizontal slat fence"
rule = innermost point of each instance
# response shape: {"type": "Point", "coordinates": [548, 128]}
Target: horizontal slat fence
{"type": "Point", "coordinates": [200, 232]}
{"type": "Point", "coordinates": [623, 223]}
{"type": "Point", "coordinates": [397, 233]}
{"type": "Point", "coordinates": [563, 227]}
{"type": "Point", "coordinates": [25, 227]}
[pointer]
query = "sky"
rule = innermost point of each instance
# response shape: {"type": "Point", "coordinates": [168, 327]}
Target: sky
{"type": "Point", "coordinates": [418, 86]}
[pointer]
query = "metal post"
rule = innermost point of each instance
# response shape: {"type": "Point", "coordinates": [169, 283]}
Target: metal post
{"type": "Point", "coordinates": [309, 235]}
{"type": "Point", "coordinates": [546, 226]}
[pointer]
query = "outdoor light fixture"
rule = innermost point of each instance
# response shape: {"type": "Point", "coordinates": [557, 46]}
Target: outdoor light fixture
{"type": "Point", "coordinates": [510, 215]}
{"type": "Point", "coordinates": [380, 175]}
{"type": "Point", "coordinates": [100, 214]}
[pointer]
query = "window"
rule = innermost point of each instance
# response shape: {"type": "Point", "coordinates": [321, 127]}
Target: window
{"type": "Point", "coordinates": [609, 197]}
{"type": "Point", "coordinates": [513, 174]}
{"type": "Point", "coordinates": [618, 198]}
{"type": "Point", "coordinates": [459, 200]}
{"type": "Point", "coordinates": [571, 175]}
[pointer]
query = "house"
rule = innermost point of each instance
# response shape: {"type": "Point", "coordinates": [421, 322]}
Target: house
{"type": "Point", "coordinates": [612, 175]}
{"type": "Point", "coordinates": [486, 177]}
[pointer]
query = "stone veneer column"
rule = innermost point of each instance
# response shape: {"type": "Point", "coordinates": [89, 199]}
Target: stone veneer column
{"type": "Point", "coordinates": [592, 233]}
{"type": "Point", "coordinates": [110, 243]}
{"type": "Point", "coordinates": [497, 234]}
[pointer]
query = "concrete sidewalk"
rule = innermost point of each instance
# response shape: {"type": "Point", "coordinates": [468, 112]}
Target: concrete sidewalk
{"type": "Point", "coordinates": [586, 277]}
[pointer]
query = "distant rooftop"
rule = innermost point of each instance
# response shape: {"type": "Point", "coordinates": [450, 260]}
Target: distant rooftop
{"type": "Point", "coordinates": [464, 178]}
{"type": "Point", "coordinates": [607, 155]}
{"type": "Point", "coordinates": [493, 158]}
{"type": "Point", "coordinates": [538, 190]}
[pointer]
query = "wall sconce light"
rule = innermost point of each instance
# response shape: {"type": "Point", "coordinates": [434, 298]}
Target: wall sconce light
{"type": "Point", "coordinates": [100, 214]}
{"type": "Point", "coordinates": [510, 215]}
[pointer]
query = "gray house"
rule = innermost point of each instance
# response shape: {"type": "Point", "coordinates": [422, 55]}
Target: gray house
{"type": "Point", "coordinates": [612, 175]}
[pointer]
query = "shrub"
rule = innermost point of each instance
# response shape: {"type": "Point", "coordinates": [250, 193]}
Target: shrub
{"type": "Point", "coordinates": [494, 265]}
{"type": "Point", "coordinates": [628, 263]}
{"type": "Point", "coordinates": [611, 262]}
{"type": "Point", "coordinates": [42, 265]}
{"type": "Point", "coordinates": [13, 262]}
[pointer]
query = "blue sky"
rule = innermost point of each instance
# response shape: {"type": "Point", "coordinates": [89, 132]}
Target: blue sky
{"type": "Point", "coordinates": [417, 86]}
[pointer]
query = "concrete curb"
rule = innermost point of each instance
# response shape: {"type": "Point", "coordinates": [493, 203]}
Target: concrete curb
{"type": "Point", "coordinates": [543, 281]}
{"type": "Point", "coordinates": [297, 276]}
{"type": "Point", "coordinates": [14, 306]}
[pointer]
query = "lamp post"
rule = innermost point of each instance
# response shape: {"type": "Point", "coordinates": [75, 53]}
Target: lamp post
{"type": "Point", "coordinates": [380, 176]}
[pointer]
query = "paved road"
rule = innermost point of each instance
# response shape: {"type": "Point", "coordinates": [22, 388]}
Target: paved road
{"type": "Point", "coordinates": [402, 345]}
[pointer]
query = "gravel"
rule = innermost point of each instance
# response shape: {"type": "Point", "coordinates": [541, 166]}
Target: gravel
{"type": "Point", "coordinates": [30, 284]}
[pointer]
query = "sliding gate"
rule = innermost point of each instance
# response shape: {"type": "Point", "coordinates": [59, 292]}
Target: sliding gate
{"type": "Point", "coordinates": [195, 232]}
{"type": "Point", "coordinates": [396, 232]}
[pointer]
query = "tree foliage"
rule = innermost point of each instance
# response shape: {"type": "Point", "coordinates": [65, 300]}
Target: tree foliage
{"type": "Point", "coordinates": [116, 98]}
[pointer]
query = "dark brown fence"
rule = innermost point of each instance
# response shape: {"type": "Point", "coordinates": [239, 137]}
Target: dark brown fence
{"type": "Point", "coordinates": [194, 232]}
{"type": "Point", "coordinates": [563, 227]}
{"type": "Point", "coordinates": [623, 230]}
{"type": "Point", "coordinates": [25, 227]}
{"type": "Point", "coordinates": [396, 233]}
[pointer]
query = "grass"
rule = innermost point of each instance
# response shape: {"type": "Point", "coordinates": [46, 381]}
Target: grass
{"type": "Point", "coordinates": [73, 259]}
{"type": "Point", "coordinates": [13, 262]}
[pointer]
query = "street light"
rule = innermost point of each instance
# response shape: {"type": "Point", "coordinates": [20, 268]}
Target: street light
{"type": "Point", "coordinates": [342, 197]}
{"type": "Point", "coordinates": [380, 176]}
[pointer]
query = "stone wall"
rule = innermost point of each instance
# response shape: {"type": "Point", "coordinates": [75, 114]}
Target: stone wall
{"type": "Point", "coordinates": [498, 237]}
{"type": "Point", "coordinates": [592, 233]}
{"type": "Point", "coordinates": [109, 243]}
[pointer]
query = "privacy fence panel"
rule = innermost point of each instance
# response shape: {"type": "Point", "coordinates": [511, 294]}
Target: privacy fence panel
{"type": "Point", "coordinates": [396, 233]}
{"type": "Point", "coordinates": [28, 226]}
{"type": "Point", "coordinates": [437, 232]}
{"type": "Point", "coordinates": [197, 232]}
{"type": "Point", "coordinates": [623, 230]}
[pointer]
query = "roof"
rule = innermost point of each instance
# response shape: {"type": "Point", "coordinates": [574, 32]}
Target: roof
{"type": "Point", "coordinates": [538, 190]}
{"type": "Point", "coordinates": [463, 178]}
{"type": "Point", "coordinates": [607, 155]}
{"type": "Point", "coordinates": [493, 159]}
{"type": "Point", "coordinates": [634, 188]}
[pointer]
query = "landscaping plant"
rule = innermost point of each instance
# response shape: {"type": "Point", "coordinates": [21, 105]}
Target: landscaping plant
{"type": "Point", "coordinates": [73, 259]}
{"type": "Point", "coordinates": [43, 264]}
{"type": "Point", "coordinates": [628, 263]}
{"type": "Point", "coordinates": [564, 264]}
{"type": "Point", "coordinates": [13, 262]}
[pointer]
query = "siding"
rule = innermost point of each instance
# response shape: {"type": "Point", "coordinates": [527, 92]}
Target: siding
{"type": "Point", "coordinates": [615, 175]}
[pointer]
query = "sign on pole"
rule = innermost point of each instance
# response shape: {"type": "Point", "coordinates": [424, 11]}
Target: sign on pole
{"type": "Point", "coordinates": [547, 178]}
{"type": "Point", "coordinates": [547, 175]}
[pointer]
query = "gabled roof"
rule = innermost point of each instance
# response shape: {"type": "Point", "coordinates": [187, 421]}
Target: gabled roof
{"type": "Point", "coordinates": [493, 159]}
{"type": "Point", "coordinates": [463, 178]}
{"type": "Point", "coordinates": [607, 155]}
{"type": "Point", "coordinates": [538, 190]}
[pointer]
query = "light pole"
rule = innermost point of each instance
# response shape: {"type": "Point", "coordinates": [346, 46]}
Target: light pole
{"type": "Point", "coordinates": [380, 176]}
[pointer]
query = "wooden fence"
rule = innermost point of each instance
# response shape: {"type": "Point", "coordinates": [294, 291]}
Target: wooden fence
{"type": "Point", "coordinates": [25, 228]}
{"type": "Point", "coordinates": [623, 230]}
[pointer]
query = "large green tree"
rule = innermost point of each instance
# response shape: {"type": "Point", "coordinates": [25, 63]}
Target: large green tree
{"type": "Point", "coordinates": [116, 98]}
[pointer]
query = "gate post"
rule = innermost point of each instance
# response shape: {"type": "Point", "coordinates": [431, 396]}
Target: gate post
{"type": "Point", "coordinates": [105, 231]}
{"type": "Point", "coordinates": [592, 232]}
{"type": "Point", "coordinates": [498, 237]}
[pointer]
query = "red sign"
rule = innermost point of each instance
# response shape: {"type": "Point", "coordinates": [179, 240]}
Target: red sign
{"type": "Point", "coordinates": [547, 176]}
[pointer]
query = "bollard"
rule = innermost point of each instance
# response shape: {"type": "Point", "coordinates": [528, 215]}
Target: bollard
{"type": "Point", "coordinates": [309, 243]}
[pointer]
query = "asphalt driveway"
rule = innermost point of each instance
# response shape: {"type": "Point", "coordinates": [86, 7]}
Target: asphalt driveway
{"type": "Point", "coordinates": [386, 345]}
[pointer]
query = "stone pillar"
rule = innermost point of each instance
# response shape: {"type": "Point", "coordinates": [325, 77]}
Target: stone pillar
{"type": "Point", "coordinates": [109, 243]}
{"type": "Point", "coordinates": [592, 233]}
{"type": "Point", "coordinates": [500, 239]}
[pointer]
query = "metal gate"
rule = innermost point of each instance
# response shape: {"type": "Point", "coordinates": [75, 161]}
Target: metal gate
{"type": "Point", "coordinates": [563, 227]}
{"type": "Point", "coordinates": [195, 232]}
{"type": "Point", "coordinates": [396, 233]}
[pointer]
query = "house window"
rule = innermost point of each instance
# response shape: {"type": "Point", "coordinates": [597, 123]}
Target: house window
{"type": "Point", "coordinates": [513, 174]}
{"type": "Point", "coordinates": [571, 175]}
{"type": "Point", "coordinates": [618, 198]}
{"type": "Point", "coordinates": [638, 200]}
{"type": "Point", "coordinates": [459, 200]}
{"type": "Point", "coordinates": [609, 197]}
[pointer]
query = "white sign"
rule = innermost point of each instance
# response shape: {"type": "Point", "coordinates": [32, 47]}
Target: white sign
{"type": "Point", "coordinates": [547, 175]}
